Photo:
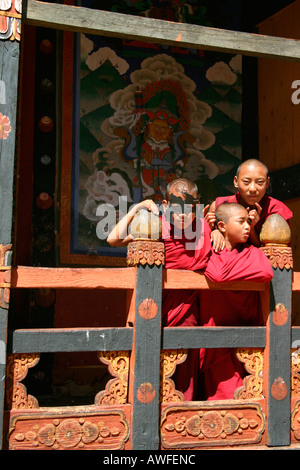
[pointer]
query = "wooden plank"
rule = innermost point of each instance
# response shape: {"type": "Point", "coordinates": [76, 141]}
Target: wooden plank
{"type": "Point", "coordinates": [117, 278]}
{"type": "Point", "coordinates": [9, 66]}
{"type": "Point", "coordinates": [72, 278]}
{"type": "Point", "coordinates": [76, 428]}
{"type": "Point", "coordinates": [277, 359]}
{"type": "Point", "coordinates": [211, 337]}
{"type": "Point", "coordinates": [296, 282]}
{"type": "Point", "coordinates": [80, 19]}
{"type": "Point", "coordinates": [108, 339]}
{"type": "Point", "coordinates": [69, 340]}
{"type": "Point", "coordinates": [9, 58]}
{"type": "Point", "coordinates": [183, 279]}
{"type": "Point", "coordinates": [145, 359]}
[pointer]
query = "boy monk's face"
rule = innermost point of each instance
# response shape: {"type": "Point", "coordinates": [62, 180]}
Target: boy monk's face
{"type": "Point", "coordinates": [252, 183]}
{"type": "Point", "coordinates": [181, 203]}
{"type": "Point", "coordinates": [237, 228]}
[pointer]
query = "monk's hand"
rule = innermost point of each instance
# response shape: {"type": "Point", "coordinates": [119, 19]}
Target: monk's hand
{"type": "Point", "coordinates": [254, 214]}
{"type": "Point", "coordinates": [149, 205]}
{"type": "Point", "coordinates": [217, 240]}
{"type": "Point", "coordinates": [209, 216]}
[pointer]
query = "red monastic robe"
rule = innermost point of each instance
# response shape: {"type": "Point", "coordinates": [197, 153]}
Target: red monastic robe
{"type": "Point", "coordinates": [268, 204]}
{"type": "Point", "coordinates": [181, 307]}
{"type": "Point", "coordinates": [220, 371]}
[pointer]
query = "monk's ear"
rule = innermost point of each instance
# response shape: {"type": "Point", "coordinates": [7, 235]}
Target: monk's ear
{"type": "Point", "coordinates": [221, 226]}
{"type": "Point", "coordinates": [235, 182]}
{"type": "Point", "coordinates": [268, 182]}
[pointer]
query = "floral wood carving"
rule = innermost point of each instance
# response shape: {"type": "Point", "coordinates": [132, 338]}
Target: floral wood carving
{"type": "Point", "coordinates": [209, 424]}
{"type": "Point", "coordinates": [279, 256]}
{"type": "Point", "coordinates": [145, 252]}
{"type": "Point", "coordinates": [17, 369]}
{"type": "Point", "coordinates": [253, 384]}
{"type": "Point", "coordinates": [53, 430]}
{"type": "Point", "coordinates": [116, 389]}
{"type": "Point", "coordinates": [295, 376]}
{"type": "Point", "coordinates": [168, 362]}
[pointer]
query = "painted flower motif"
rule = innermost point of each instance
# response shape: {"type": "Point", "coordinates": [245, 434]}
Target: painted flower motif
{"type": "Point", "coordinates": [5, 127]}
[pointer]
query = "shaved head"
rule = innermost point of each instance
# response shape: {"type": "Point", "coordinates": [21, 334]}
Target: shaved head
{"type": "Point", "coordinates": [226, 210]}
{"type": "Point", "coordinates": [252, 162]}
{"type": "Point", "coordinates": [181, 185]}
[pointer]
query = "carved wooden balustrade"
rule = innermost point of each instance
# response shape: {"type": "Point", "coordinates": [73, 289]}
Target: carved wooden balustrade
{"type": "Point", "coordinates": [140, 407]}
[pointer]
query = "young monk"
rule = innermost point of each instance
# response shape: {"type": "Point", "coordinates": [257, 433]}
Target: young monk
{"type": "Point", "coordinates": [220, 371]}
{"type": "Point", "coordinates": [187, 240]}
{"type": "Point", "coordinates": [252, 182]}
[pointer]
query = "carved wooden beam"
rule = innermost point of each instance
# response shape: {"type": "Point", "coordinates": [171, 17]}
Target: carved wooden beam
{"type": "Point", "coordinates": [85, 20]}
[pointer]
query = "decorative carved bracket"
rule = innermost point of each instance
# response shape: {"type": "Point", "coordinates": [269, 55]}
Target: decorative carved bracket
{"type": "Point", "coordinates": [168, 362]}
{"type": "Point", "coordinates": [254, 364]}
{"type": "Point", "coordinates": [17, 369]}
{"type": "Point", "coordinates": [116, 389]}
{"type": "Point", "coordinates": [253, 384]}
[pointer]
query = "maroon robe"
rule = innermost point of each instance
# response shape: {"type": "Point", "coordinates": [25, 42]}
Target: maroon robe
{"type": "Point", "coordinates": [268, 204]}
{"type": "Point", "coordinates": [220, 370]}
{"type": "Point", "coordinates": [181, 307]}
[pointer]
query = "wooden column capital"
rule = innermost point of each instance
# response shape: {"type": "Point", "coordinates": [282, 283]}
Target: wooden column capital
{"type": "Point", "coordinates": [146, 247]}
{"type": "Point", "coordinates": [275, 237]}
{"type": "Point", "coordinates": [145, 252]}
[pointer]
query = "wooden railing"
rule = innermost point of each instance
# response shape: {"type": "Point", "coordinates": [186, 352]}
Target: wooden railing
{"type": "Point", "coordinates": [143, 415]}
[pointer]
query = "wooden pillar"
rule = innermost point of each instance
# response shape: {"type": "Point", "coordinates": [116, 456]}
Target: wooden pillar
{"type": "Point", "coordinates": [144, 376]}
{"type": "Point", "coordinates": [275, 237]}
{"type": "Point", "coordinates": [9, 58]}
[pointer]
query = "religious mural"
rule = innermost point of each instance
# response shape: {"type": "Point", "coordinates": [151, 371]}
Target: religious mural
{"type": "Point", "coordinates": [144, 115]}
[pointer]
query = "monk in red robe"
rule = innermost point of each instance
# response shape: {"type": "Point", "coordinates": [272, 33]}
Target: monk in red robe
{"type": "Point", "coordinates": [252, 182]}
{"type": "Point", "coordinates": [220, 371]}
{"type": "Point", "coordinates": [187, 239]}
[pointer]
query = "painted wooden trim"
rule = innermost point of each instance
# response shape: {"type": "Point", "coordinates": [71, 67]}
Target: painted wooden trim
{"type": "Point", "coordinates": [211, 337]}
{"type": "Point", "coordinates": [109, 339]}
{"type": "Point", "coordinates": [69, 340]}
{"type": "Point", "coordinates": [80, 19]}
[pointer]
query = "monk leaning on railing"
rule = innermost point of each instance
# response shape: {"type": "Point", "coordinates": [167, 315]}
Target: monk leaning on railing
{"type": "Point", "coordinates": [188, 245]}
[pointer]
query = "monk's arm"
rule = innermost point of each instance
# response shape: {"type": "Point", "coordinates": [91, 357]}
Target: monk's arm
{"type": "Point", "coordinates": [119, 235]}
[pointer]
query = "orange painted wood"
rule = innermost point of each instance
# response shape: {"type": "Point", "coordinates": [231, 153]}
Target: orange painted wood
{"type": "Point", "coordinates": [118, 278]}
{"type": "Point", "coordinates": [296, 282]}
{"type": "Point", "coordinates": [181, 279]}
{"type": "Point", "coordinates": [86, 427]}
{"type": "Point", "coordinates": [73, 278]}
